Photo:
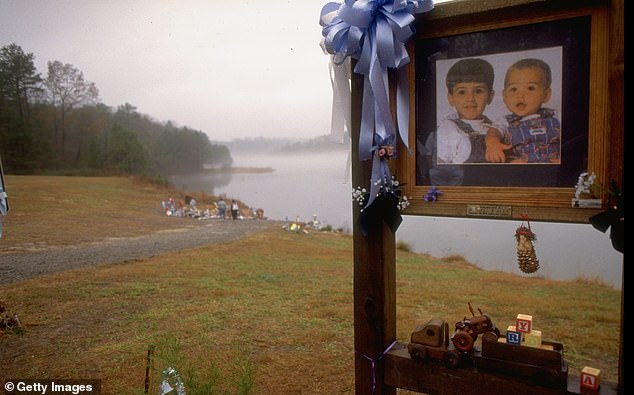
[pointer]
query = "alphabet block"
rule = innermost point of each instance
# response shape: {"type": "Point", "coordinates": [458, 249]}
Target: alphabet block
{"type": "Point", "coordinates": [524, 323]}
{"type": "Point", "coordinates": [533, 339]}
{"type": "Point", "coordinates": [590, 378]}
{"type": "Point", "coordinates": [513, 336]}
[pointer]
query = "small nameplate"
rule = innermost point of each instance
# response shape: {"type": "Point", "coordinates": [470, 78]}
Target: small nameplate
{"type": "Point", "coordinates": [587, 203]}
{"type": "Point", "coordinates": [479, 210]}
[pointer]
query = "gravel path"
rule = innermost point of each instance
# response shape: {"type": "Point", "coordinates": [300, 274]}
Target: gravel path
{"type": "Point", "coordinates": [23, 265]}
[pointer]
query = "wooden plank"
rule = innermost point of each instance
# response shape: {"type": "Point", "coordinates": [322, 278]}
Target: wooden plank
{"type": "Point", "coordinates": [617, 126]}
{"type": "Point", "coordinates": [434, 378]}
{"type": "Point", "coordinates": [551, 357]}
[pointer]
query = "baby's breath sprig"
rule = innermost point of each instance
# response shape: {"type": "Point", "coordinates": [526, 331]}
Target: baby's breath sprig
{"type": "Point", "coordinates": [360, 194]}
{"type": "Point", "coordinates": [586, 185]}
{"type": "Point", "coordinates": [403, 202]}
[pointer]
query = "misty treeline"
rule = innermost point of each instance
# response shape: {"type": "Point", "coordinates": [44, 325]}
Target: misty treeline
{"type": "Point", "coordinates": [55, 124]}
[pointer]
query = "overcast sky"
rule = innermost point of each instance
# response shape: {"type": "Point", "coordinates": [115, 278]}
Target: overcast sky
{"type": "Point", "coordinates": [231, 69]}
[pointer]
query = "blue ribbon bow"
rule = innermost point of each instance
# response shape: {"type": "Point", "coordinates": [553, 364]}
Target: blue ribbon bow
{"type": "Point", "coordinates": [375, 32]}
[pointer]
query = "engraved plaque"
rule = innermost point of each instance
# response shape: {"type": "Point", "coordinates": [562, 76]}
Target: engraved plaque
{"type": "Point", "coordinates": [483, 210]}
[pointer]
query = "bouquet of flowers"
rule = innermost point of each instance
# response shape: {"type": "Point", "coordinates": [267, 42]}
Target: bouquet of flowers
{"type": "Point", "coordinates": [386, 206]}
{"type": "Point", "coordinates": [361, 195]}
{"type": "Point", "coordinates": [586, 188]}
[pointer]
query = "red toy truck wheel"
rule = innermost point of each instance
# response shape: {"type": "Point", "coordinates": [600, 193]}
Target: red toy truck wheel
{"type": "Point", "coordinates": [463, 341]}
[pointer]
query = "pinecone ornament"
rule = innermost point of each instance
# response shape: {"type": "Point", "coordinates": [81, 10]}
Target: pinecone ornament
{"type": "Point", "coordinates": [526, 257]}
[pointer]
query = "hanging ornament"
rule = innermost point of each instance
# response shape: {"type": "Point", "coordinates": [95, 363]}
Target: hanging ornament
{"type": "Point", "coordinates": [526, 257]}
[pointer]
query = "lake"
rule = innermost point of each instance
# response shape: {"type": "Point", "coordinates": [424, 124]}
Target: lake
{"type": "Point", "coordinates": [319, 184]}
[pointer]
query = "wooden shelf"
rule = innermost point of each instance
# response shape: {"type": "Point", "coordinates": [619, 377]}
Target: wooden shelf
{"type": "Point", "coordinates": [434, 378]}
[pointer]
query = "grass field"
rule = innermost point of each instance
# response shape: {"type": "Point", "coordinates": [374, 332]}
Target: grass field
{"type": "Point", "coordinates": [267, 314]}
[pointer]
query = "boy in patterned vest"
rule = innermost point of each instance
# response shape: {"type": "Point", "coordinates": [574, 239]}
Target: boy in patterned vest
{"type": "Point", "coordinates": [531, 133]}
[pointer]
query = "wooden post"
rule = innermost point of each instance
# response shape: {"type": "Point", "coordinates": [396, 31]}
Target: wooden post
{"type": "Point", "coordinates": [374, 278]}
{"type": "Point", "coordinates": [148, 370]}
{"type": "Point", "coordinates": [617, 122]}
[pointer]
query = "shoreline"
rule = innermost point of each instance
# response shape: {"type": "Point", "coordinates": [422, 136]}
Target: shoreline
{"type": "Point", "coordinates": [235, 170]}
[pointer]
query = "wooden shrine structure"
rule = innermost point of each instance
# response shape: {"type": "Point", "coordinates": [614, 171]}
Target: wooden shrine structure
{"type": "Point", "coordinates": [381, 365]}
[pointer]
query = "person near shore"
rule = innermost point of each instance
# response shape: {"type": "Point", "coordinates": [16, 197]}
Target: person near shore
{"type": "Point", "coordinates": [234, 209]}
{"type": "Point", "coordinates": [222, 209]}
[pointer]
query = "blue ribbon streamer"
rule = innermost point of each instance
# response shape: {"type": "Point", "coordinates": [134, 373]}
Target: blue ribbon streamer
{"type": "Point", "coordinates": [4, 201]}
{"type": "Point", "coordinates": [374, 361]}
{"type": "Point", "coordinates": [381, 179]}
{"type": "Point", "coordinates": [375, 32]}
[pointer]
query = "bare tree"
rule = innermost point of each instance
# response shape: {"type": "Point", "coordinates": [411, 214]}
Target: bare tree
{"type": "Point", "coordinates": [67, 89]}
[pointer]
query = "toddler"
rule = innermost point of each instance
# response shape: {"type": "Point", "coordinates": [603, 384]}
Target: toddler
{"type": "Point", "coordinates": [531, 133]}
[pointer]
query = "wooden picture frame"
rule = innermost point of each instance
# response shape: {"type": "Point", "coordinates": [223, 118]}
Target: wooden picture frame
{"type": "Point", "coordinates": [577, 34]}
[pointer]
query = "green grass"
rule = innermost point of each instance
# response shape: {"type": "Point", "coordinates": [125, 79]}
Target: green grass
{"type": "Point", "coordinates": [268, 314]}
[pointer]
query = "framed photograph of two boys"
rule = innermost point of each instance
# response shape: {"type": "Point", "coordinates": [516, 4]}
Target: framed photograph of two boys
{"type": "Point", "coordinates": [511, 100]}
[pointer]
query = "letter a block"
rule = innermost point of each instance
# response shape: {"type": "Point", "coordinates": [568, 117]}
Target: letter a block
{"type": "Point", "coordinates": [524, 323]}
{"type": "Point", "coordinates": [513, 336]}
{"type": "Point", "coordinates": [590, 378]}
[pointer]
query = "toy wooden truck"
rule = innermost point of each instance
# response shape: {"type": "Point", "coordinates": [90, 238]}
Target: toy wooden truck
{"type": "Point", "coordinates": [468, 329]}
{"type": "Point", "coordinates": [432, 339]}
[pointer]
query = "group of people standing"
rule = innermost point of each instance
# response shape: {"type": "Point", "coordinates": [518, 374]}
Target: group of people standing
{"type": "Point", "coordinates": [222, 209]}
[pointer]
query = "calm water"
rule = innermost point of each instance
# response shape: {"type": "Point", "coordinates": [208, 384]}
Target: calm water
{"type": "Point", "coordinates": [319, 184]}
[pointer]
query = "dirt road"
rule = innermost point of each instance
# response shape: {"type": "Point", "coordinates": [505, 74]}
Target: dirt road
{"type": "Point", "coordinates": [20, 265]}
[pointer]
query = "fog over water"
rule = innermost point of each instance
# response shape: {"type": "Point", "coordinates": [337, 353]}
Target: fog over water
{"type": "Point", "coordinates": [308, 184]}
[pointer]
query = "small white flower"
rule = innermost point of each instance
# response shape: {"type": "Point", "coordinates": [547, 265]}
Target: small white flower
{"type": "Point", "coordinates": [360, 194]}
{"type": "Point", "coordinates": [585, 184]}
